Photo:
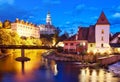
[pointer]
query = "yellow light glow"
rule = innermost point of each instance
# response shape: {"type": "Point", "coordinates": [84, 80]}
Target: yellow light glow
{"type": "Point", "coordinates": [94, 76]}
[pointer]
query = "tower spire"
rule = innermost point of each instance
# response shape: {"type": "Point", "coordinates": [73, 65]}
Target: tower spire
{"type": "Point", "coordinates": [102, 19]}
{"type": "Point", "coordinates": [48, 18]}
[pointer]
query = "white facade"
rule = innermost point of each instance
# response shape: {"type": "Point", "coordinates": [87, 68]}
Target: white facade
{"type": "Point", "coordinates": [49, 29]}
{"type": "Point", "coordinates": [102, 36]}
{"type": "Point", "coordinates": [48, 19]}
{"type": "Point", "coordinates": [25, 29]}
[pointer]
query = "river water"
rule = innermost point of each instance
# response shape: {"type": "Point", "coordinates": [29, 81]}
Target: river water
{"type": "Point", "coordinates": [39, 69]}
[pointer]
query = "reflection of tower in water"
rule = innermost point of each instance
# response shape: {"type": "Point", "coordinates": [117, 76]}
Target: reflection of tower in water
{"type": "Point", "coordinates": [53, 67]}
{"type": "Point", "coordinates": [94, 75]}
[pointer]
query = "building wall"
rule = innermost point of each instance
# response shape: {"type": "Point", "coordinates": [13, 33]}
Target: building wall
{"type": "Point", "coordinates": [102, 36]}
{"type": "Point", "coordinates": [71, 46]}
{"type": "Point", "coordinates": [26, 30]}
{"type": "Point", "coordinates": [46, 30]}
{"type": "Point", "coordinates": [91, 48]}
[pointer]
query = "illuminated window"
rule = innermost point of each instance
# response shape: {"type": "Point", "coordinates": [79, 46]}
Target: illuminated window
{"type": "Point", "coordinates": [102, 32]}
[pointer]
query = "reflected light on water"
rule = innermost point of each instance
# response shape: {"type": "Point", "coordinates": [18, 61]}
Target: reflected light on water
{"type": "Point", "coordinates": [55, 70]}
{"type": "Point", "coordinates": [82, 76]}
{"type": "Point", "coordinates": [94, 76]}
{"type": "Point", "coordinates": [101, 75]}
{"type": "Point", "coordinates": [108, 77]}
{"type": "Point", "coordinates": [87, 74]}
{"type": "Point", "coordinates": [24, 70]}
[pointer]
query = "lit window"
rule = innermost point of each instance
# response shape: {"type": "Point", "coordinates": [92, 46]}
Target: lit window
{"type": "Point", "coordinates": [102, 32]}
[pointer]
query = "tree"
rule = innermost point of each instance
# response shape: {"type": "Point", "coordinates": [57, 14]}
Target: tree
{"type": "Point", "coordinates": [7, 24]}
{"type": "Point", "coordinates": [9, 38]}
{"type": "Point", "coordinates": [55, 39]}
{"type": "Point", "coordinates": [46, 42]}
{"type": "Point", "coordinates": [1, 25]}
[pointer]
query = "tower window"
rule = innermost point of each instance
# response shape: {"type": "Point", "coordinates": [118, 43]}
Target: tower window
{"type": "Point", "coordinates": [102, 38]}
{"type": "Point", "coordinates": [102, 45]}
{"type": "Point", "coordinates": [91, 45]}
{"type": "Point", "coordinates": [102, 32]}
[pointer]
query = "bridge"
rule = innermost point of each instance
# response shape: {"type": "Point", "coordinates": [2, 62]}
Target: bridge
{"type": "Point", "coordinates": [25, 47]}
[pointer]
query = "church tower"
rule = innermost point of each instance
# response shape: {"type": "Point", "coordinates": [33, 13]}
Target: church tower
{"type": "Point", "coordinates": [48, 19]}
{"type": "Point", "coordinates": [102, 30]}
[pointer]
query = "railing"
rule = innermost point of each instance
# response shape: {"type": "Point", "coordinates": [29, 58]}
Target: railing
{"type": "Point", "coordinates": [26, 47]}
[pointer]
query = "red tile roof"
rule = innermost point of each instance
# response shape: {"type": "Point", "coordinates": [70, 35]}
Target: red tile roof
{"type": "Point", "coordinates": [102, 19]}
{"type": "Point", "coordinates": [84, 33]}
{"type": "Point", "coordinates": [115, 36]}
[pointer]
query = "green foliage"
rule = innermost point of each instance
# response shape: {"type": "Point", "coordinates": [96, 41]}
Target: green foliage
{"type": "Point", "coordinates": [46, 42]}
{"type": "Point", "coordinates": [55, 39]}
{"type": "Point", "coordinates": [7, 24]}
{"type": "Point", "coordinates": [1, 25]}
{"type": "Point", "coordinates": [8, 38]}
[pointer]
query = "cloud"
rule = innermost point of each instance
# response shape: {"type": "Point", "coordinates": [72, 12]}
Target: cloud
{"type": "Point", "coordinates": [80, 7]}
{"type": "Point", "coordinates": [116, 15]}
{"type": "Point", "coordinates": [51, 2]}
{"type": "Point", "coordinates": [6, 2]}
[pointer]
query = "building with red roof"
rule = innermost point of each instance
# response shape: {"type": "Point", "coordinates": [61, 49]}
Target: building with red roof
{"type": "Point", "coordinates": [94, 38]}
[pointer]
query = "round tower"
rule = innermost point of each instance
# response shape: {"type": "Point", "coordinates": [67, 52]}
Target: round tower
{"type": "Point", "coordinates": [48, 18]}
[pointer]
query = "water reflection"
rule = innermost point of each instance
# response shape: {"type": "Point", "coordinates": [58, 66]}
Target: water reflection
{"type": "Point", "coordinates": [39, 69]}
{"type": "Point", "coordinates": [96, 75]}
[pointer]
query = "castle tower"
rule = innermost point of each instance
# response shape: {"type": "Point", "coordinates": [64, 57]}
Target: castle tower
{"type": "Point", "coordinates": [48, 18]}
{"type": "Point", "coordinates": [102, 29]}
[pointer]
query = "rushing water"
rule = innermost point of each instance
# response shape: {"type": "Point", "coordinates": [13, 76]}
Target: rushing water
{"type": "Point", "coordinates": [43, 70]}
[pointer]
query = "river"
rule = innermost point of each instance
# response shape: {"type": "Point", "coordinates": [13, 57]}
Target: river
{"type": "Point", "coordinates": [39, 69]}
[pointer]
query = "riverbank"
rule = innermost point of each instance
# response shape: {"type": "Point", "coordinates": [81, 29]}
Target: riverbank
{"type": "Point", "coordinates": [88, 60]}
{"type": "Point", "coordinates": [3, 55]}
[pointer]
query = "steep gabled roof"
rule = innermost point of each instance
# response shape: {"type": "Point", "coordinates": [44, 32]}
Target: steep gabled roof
{"type": "Point", "coordinates": [83, 33]}
{"type": "Point", "coordinates": [91, 34]}
{"type": "Point", "coordinates": [102, 19]}
{"type": "Point", "coordinates": [72, 38]}
{"type": "Point", "coordinates": [116, 35]}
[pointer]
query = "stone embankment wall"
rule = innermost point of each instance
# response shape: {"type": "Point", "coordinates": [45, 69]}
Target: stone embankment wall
{"type": "Point", "coordinates": [104, 61]}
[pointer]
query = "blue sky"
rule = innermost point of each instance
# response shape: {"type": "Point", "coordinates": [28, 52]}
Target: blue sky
{"type": "Point", "coordinates": [66, 14]}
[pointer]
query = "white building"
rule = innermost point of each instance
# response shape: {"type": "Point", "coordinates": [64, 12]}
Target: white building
{"type": "Point", "coordinates": [48, 28]}
{"type": "Point", "coordinates": [102, 32]}
{"type": "Point", "coordinates": [25, 29]}
{"type": "Point", "coordinates": [96, 36]}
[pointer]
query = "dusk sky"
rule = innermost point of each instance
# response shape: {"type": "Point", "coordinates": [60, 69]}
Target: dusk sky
{"type": "Point", "coordinates": [66, 14]}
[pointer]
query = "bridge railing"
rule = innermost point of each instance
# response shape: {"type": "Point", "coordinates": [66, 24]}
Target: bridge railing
{"type": "Point", "coordinates": [26, 47]}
